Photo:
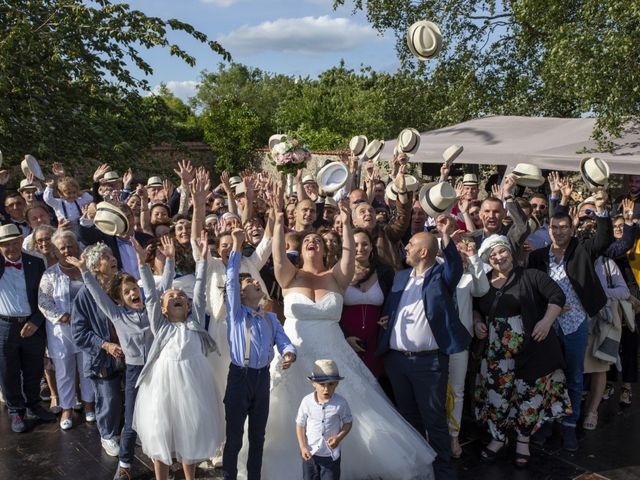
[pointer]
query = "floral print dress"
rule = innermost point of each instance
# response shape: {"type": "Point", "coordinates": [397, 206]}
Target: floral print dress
{"type": "Point", "coordinates": [504, 401]}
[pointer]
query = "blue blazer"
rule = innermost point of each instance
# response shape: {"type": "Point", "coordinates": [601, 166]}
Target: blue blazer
{"type": "Point", "coordinates": [439, 301]}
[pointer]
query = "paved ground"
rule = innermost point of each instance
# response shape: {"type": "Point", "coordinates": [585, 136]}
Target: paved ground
{"type": "Point", "coordinates": [612, 451]}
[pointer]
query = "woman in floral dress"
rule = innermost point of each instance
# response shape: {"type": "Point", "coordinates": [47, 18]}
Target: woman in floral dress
{"type": "Point", "coordinates": [521, 383]}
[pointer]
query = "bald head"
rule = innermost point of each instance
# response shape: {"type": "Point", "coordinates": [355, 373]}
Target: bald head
{"type": "Point", "coordinates": [422, 249]}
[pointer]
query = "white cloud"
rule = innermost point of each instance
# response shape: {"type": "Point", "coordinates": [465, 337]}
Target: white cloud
{"type": "Point", "coordinates": [221, 3]}
{"type": "Point", "coordinates": [298, 35]}
{"type": "Point", "coordinates": [181, 89]}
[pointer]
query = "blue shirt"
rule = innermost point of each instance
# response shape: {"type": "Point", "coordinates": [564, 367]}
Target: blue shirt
{"type": "Point", "coordinates": [265, 327]}
{"type": "Point", "coordinates": [128, 257]}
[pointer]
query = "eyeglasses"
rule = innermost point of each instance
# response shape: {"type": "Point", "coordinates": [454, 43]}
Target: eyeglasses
{"type": "Point", "coordinates": [43, 240]}
{"type": "Point", "coordinates": [618, 227]}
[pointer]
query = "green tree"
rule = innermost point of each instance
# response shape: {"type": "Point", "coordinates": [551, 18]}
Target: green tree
{"type": "Point", "coordinates": [67, 91]}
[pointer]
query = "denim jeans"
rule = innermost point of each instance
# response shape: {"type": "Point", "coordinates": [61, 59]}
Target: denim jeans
{"type": "Point", "coordinates": [108, 405]}
{"type": "Point", "coordinates": [128, 435]}
{"type": "Point", "coordinates": [321, 468]}
{"type": "Point", "coordinates": [575, 347]}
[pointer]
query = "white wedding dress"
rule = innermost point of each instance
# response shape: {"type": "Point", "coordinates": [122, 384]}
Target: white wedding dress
{"type": "Point", "coordinates": [381, 444]}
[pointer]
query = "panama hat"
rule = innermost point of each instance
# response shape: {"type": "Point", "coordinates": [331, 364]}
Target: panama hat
{"type": "Point", "coordinates": [470, 179]}
{"type": "Point", "coordinates": [411, 183]}
{"type": "Point", "coordinates": [451, 153]}
{"type": "Point", "coordinates": [373, 150]}
{"type": "Point", "coordinates": [110, 220]}
{"type": "Point", "coordinates": [9, 232]}
{"type": "Point", "coordinates": [31, 165]}
{"type": "Point", "coordinates": [325, 371]}
{"type": "Point", "coordinates": [154, 182]}
{"type": "Point", "coordinates": [332, 177]}
{"type": "Point", "coordinates": [358, 145]}
{"type": "Point", "coordinates": [437, 198]}
{"type": "Point", "coordinates": [308, 178]}
{"type": "Point", "coordinates": [424, 40]}
{"type": "Point", "coordinates": [409, 141]}
{"type": "Point", "coordinates": [111, 177]}
{"type": "Point", "coordinates": [329, 202]}
{"type": "Point", "coordinates": [595, 172]}
{"type": "Point", "coordinates": [276, 139]}
{"type": "Point", "coordinates": [26, 185]}
{"type": "Point", "coordinates": [528, 175]}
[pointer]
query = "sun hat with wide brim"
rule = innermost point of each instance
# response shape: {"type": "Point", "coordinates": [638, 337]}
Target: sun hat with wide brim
{"type": "Point", "coordinates": [411, 182]}
{"type": "Point", "coordinates": [276, 139]}
{"type": "Point", "coordinates": [332, 177]}
{"type": "Point", "coordinates": [31, 166]}
{"type": "Point", "coordinates": [437, 198]}
{"type": "Point", "coordinates": [451, 153]}
{"type": "Point", "coordinates": [373, 150]}
{"type": "Point", "coordinates": [595, 172]}
{"type": "Point", "coordinates": [358, 145]}
{"type": "Point", "coordinates": [528, 175]}
{"type": "Point", "coordinates": [325, 371]}
{"type": "Point", "coordinates": [110, 220]}
{"type": "Point", "coordinates": [424, 40]}
{"type": "Point", "coordinates": [408, 141]}
{"type": "Point", "coordinates": [9, 232]}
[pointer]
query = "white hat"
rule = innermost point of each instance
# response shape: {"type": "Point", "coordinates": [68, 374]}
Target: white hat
{"type": "Point", "coordinates": [411, 183]}
{"type": "Point", "coordinates": [528, 175]}
{"type": "Point", "coordinates": [490, 243]}
{"type": "Point", "coordinates": [470, 179]}
{"type": "Point", "coordinates": [325, 371]}
{"type": "Point", "coordinates": [111, 220]}
{"type": "Point", "coordinates": [31, 165]}
{"type": "Point", "coordinates": [595, 172]}
{"type": "Point", "coordinates": [332, 176]}
{"type": "Point", "coordinates": [111, 176]}
{"type": "Point", "coordinates": [25, 185]}
{"type": "Point", "coordinates": [276, 139]}
{"type": "Point", "coordinates": [9, 232]}
{"type": "Point", "coordinates": [437, 198]}
{"type": "Point", "coordinates": [154, 182]}
{"type": "Point", "coordinates": [233, 181]}
{"type": "Point", "coordinates": [308, 178]}
{"type": "Point", "coordinates": [358, 144]}
{"type": "Point", "coordinates": [373, 150]}
{"type": "Point", "coordinates": [451, 153]}
{"type": "Point", "coordinates": [409, 141]}
{"type": "Point", "coordinates": [424, 40]}
{"type": "Point", "coordinates": [330, 202]}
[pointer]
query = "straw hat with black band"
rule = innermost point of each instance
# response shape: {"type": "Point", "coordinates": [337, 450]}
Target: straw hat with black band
{"type": "Point", "coordinates": [9, 232]}
{"type": "Point", "coordinates": [110, 220]}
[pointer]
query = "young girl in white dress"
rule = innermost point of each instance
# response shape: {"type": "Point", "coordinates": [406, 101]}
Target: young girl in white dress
{"type": "Point", "coordinates": [174, 415]}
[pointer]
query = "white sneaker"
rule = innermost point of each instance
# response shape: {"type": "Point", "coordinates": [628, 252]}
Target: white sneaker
{"type": "Point", "coordinates": [90, 417]}
{"type": "Point", "coordinates": [110, 446]}
{"type": "Point", "coordinates": [66, 424]}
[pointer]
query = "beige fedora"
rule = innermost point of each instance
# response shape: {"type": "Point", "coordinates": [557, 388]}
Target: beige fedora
{"type": "Point", "coordinates": [470, 179]}
{"type": "Point", "coordinates": [411, 182]}
{"type": "Point", "coordinates": [9, 232]}
{"type": "Point", "coordinates": [358, 145]}
{"type": "Point", "coordinates": [26, 185]}
{"type": "Point", "coordinates": [31, 165]}
{"type": "Point", "coordinates": [110, 220]}
{"type": "Point", "coordinates": [424, 40]}
{"type": "Point", "coordinates": [111, 176]}
{"type": "Point", "coordinates": [409, 141]}
{"type": "Point", "coordinates": [332, 177]}
{"type": "Point", "coordinates": [528, 175]}
{"type": "Point", "coordinates": [154, 182]}
{"type": "Point", "coordinates": [373, 150]}
{"type": "Point", "coordinates": [451, 153]}
{"type": "Point", "coordinates": [325, 371]}
{"type": "Point", "coordinates": [595, 172]}
{"type": "Point", "coordinates": [329, 202]}
{"type": "Point", "coordinates": [308, 178]}
{"type": "Point", "coordinates": [437, 198]}
{"type": "Point", "coordinates": [276, 139]}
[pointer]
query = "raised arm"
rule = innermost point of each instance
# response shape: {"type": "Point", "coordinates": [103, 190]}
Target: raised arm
{"type": "Point", "coordinates": [445, 224]}
{"type": "Point", "coordinates": [168, 249]}
{"type": "Point", "coordinates": [198, 311]}
{"type": "Point", "coordinates": [199, 187]}
{"type": "Point", "coordinates": [151, 297]}
{"type": "Point", "coordinates": [343, 270]}
{"type": "Point", "coordinates": [104, 301]}
{"type": "Point", "coordinates": [232, 283]}
{"type": "Point", "coordinates": [284, 270]}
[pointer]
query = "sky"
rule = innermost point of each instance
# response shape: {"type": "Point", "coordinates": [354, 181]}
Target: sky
{"type": "Point", "coordinates": [293, 37]}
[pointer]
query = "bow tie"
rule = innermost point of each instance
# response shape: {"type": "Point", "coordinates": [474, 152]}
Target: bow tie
{"type": "Point", "coordinates": [17, 265]}
{"type": "Point", "coordinates": [257, 313]}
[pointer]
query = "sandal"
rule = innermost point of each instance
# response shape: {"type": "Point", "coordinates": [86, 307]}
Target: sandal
{"type": "Point", "coordinates": [522, 459]}
{"type": "Point", "coordinates": [591, 421]}
{"type": "Point", "coordinates": [489, 456]}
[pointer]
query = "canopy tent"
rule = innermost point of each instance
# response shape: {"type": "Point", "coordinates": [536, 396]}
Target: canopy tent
{"type": "Point", "coordinates": [550, 143]}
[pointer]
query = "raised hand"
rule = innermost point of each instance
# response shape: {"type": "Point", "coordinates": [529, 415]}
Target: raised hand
{"type": "Point", "coordinates": [203, 244]}
{"type": "Point", "coordinates": [554, 182]}
{"type": "Point", "coordinates": [508, 185]}
{"type": "Point", "coordinates": [79, 263]}
{"type": "Point", "coordinates": [400, 181]}
{"type": "Point", "coordinates": [4, 177]}
{"type": "Point", "coordinates": [601, 200]}
{"type": "Point", "coordinates": [184, 172]}
{"type": "Point", "coordinates": [167, 246]}
{"type": "Point", "coordinates": [445, 170]}
{"type": "Point", "coordinates": [566, 187]}
{"type": "Point", "coordinates": [224, 178]}
{"type": "Point", "coordinates": [57, 169]}
{"type": "Point", "coordinates": [445, 225]}
{"type": "Point", "coordinates": [100, 171]}
{"type": "Point", "coordinates": [496, 191]}
{"type": "Point", "coordinates": [168, 187]}
{"type": "Point", "coordinates": [127, 178]}
{"type": "Point", "coordinates": [626, 207]}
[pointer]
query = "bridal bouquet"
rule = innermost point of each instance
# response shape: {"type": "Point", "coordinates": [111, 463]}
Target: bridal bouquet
{"type": "Point", "coordinates": [289, 155]}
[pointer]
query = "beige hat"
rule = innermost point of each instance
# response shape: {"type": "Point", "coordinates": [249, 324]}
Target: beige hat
{"type": "Point", "coordinates": [31, 165]}
{"type": "Point", "coordinates": [154, 182]}
{"type": "Point", "coordinates": [110, 220]}
{"type": "Point", "coordinates": [528, 175]}
{"type": "Point", "coordinates": [470, 179]}
{"type": "Point", "coordinates": [330, 202]}
{"type": "Point", "coordinates": [111, 177]}
{"type": "Point", "coordinates": [373, 150]}
{"type": "Point", "coordinates": [411, 183]}
{"type": "Point", "coordinates": [490, 243]}
{"type": "Point", "coordinates": [308, 178]}
{"type": "Point", "coordinates": [409, 141]}
{"type": "Point", "coordinates": [595, 172]}
{"type": "Point", "coordinates": [437, 198]}
{"type": "Point", "coordinates": [26, 185]}
{"type": "Point", "coordinates": [325, 371]}
{"type": "Point", "coordinates": [451, 153]}
{"type": "Point", "coordinates": [358, 145]}
{"type": "Point", "coordinates": [424, 40]}
{"type": "Point", "coordinates": [332, 176]}
{"type": "Point", "coordinates": [9, 232]}
{"type": "Point", "coordinates": [276, 139]}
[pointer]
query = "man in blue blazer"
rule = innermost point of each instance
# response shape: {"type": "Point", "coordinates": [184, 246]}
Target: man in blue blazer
{"type": "Point", "coordinates": [423, 329]}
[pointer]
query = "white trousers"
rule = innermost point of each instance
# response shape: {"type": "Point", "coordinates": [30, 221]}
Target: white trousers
{"type": "Point", "coordinates": [66, 368]}
{"type": "Point", "coordinates": [457, 372]}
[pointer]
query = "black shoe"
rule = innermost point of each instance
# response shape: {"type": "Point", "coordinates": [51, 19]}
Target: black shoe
{"type": "Point", "coordinates": [17, 423]}
{"type": "Point", "coordinates": [489, 456]}
{"type": "Point", "coordinates": [45, 392]}
{"type": "Point", "coordinates": [43, 414]}
{"type": "Point", "coordinates": [569, 440]}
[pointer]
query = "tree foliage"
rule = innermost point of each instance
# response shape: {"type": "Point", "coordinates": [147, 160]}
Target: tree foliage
{"type": "Point", "coordinates": [67, 91]}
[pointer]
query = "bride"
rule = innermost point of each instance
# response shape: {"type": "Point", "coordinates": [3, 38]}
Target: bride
{"type": "Point", "coordinates": [382, 444]}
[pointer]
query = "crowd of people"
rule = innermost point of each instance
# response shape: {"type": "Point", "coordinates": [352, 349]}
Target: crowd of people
{"type": "Point", "coordinates": [345, 324]}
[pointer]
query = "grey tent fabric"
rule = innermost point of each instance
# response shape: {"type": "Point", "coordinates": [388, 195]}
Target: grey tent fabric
{"type": "Point", "coordinates": [550, 143]}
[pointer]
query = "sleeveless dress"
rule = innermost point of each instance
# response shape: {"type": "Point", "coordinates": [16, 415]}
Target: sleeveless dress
{"type": "Point", "coordinates": [381, 443]}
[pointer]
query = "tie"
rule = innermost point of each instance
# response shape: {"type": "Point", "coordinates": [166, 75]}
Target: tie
{"type": "Point", "coordinates": [17, 265]}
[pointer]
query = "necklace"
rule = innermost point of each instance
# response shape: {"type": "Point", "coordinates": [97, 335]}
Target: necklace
{"type": "Point", "coordinates": [363, 310]}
